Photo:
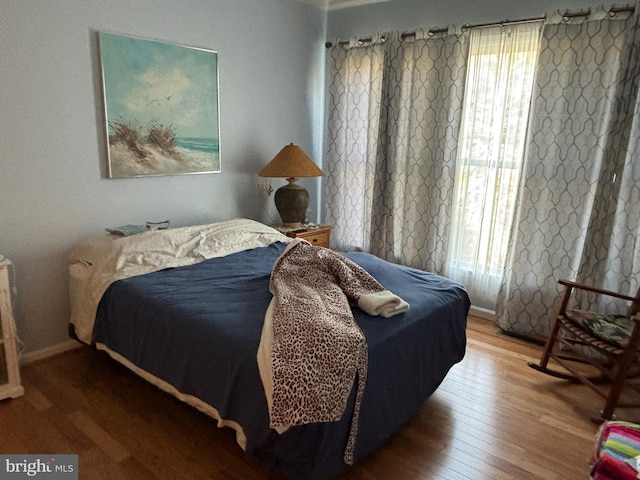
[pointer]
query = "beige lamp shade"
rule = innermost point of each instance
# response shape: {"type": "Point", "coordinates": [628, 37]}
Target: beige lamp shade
{"type": "Point", "coordinates": [291, 200]}
{"type": "Point", "coordinates": [291, 162]}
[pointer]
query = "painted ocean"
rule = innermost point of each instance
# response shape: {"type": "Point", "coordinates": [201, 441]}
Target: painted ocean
{"type": "Point", "coordinates": [203, 153]}
{"type": "Point", "coordinates": [206, 145]}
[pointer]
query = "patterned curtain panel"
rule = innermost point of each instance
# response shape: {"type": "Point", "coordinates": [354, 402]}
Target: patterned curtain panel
{"type": "Point", "coordinates": [423, 98]}
{"type": "Point", "coordinates": [353, 137]}
{"type": "Point", "coordinates": [394, 116]}
{"type": "Point", "coordinates": [579, 202]}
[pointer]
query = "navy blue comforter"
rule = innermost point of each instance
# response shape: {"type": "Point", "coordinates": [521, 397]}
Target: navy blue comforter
{"type": "Point", "coordinates": [198, 328]}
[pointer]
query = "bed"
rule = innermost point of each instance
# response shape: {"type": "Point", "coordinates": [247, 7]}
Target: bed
{"type": "Point", "coordinates": [184, 308]}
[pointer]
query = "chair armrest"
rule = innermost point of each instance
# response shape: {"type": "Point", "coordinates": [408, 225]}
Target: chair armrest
{"type": "Point", "coordinates": [579, 286]}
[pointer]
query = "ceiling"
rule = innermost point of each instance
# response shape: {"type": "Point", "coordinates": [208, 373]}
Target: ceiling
{"type": "Point", "coordinates": [338, 4]}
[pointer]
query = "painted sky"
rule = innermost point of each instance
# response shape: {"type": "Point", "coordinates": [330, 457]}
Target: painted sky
{"type": "Point", "coordinates": [147, 80]}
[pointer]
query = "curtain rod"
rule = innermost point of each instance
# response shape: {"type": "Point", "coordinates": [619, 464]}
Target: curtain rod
{"type": "Point", "coordinates": [434, 31]}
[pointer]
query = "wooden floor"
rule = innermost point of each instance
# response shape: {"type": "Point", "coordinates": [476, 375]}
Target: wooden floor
{"type": "Point", "coordinates": [492, 418]}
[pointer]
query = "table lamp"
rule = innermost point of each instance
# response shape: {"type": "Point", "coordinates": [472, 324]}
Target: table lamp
{"type": "Point", "coordinates": [291, 200]}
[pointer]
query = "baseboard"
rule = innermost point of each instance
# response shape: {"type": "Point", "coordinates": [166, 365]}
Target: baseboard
{"type": "Point", "coordinates": [49, 351]}
{"type": "Point", "coordinates": [482, 313]}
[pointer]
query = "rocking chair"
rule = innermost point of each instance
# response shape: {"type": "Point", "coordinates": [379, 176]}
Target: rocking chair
{"type": "Point", "coordinates": [610, 343]}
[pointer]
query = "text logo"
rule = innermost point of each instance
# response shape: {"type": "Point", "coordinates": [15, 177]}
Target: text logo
{"type": "Point", "coordinates": [49, 467]}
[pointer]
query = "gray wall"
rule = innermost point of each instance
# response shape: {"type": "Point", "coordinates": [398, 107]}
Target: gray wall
{"type": "Point", "coordinates": [53, 187]}
{"type": "Point", "coordinates": [406, 15]}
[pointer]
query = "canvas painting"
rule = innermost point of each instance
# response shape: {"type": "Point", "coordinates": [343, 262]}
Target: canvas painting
{"type": "Point", "coordinates": [161, 107]}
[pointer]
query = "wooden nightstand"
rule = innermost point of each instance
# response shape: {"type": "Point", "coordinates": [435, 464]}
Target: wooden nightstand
{"type": "Point", "coordinates": [319, 237]}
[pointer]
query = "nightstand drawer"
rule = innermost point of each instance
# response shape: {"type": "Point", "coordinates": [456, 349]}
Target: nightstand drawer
{"type": "Point", "coordinates": [319, 237]}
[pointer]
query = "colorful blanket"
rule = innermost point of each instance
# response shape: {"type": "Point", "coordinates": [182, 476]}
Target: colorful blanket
{"type": "Point", "coordinates": [311, 349]}
{"type": "Point", "coordinates": [617, 452]}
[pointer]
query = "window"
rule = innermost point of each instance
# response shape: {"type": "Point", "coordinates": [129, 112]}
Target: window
{"type": "Point", "coordinates": [498, 89]}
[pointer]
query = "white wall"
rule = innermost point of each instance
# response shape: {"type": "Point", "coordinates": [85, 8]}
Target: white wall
{"type": "Point", "coordinates": [406, 15]}
{"type": "Point", "coordinates": [53, 187]}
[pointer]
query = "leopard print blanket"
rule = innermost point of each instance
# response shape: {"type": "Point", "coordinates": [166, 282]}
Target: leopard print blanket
{"type": "Point", "coordinates": [317, 349]}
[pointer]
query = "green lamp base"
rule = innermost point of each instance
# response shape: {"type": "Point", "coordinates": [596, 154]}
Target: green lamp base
{"type": "Point", "coordinates": [292, 202]}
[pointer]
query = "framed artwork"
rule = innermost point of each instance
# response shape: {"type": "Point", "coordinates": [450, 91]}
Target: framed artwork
{"type": "Point", "coordinates": [161, 107]}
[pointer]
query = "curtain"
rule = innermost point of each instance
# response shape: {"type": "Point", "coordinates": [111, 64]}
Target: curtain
{"type": "Point", "coordinates": [394, 115]}
{"type": "Point", "coordinates": [355, 93]}
{"type": "Point", "coordinates": [500, 75]}
{"type": "Point", "coordinates": [578, 207]}
{"type": "Point", "coordinates": [423, 95]}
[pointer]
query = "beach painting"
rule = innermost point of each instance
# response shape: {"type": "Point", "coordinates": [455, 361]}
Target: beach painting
{"type": "Point", "coordinates": [161, 107]}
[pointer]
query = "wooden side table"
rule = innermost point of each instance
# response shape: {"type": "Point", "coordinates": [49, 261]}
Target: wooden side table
{"type": "Point", "coordinates": [318, 237]}
{"type": "Point", "coordinates": [10, 385]}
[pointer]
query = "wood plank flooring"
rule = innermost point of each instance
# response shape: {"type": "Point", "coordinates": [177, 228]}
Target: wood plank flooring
{"type": "Point", "coordinates": [492, 418]}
